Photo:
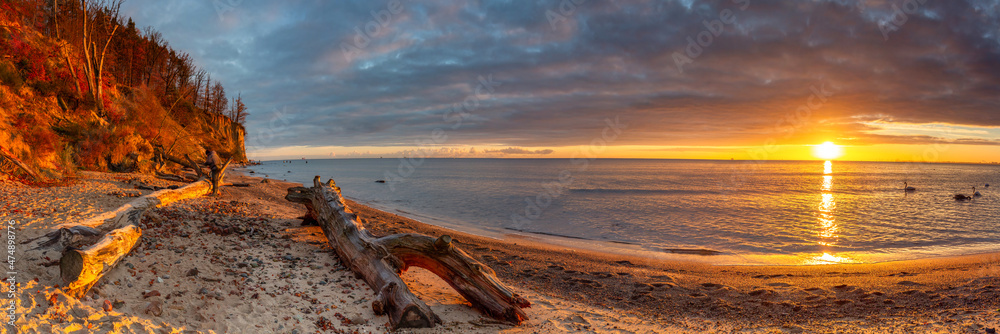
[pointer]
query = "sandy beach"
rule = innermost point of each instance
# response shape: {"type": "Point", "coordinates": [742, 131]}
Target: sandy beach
{"type": "Point", "coordinates": [669, 166]}
{"type": "Point", "coordinates": [243, 262]}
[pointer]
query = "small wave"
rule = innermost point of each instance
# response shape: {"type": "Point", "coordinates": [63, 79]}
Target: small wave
{"type": "Point", "coordinates": [690, 251]}
{"type": "Point", "coordinates": [569, 236]}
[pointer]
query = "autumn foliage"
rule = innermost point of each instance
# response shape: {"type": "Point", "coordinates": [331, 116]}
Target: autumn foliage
{"type": "Point", "coordinates": [151, 98]}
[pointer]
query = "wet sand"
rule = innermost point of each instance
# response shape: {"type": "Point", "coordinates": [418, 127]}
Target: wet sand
{"type": "Point", "coordinates": [260, 271]}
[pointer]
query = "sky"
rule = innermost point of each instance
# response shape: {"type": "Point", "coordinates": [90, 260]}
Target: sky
{"type": "Point", "coordinates": [913, 80]}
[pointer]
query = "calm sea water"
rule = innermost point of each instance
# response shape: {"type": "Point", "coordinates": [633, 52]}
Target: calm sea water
{"type": "Point", "coordinates": [808, 212]}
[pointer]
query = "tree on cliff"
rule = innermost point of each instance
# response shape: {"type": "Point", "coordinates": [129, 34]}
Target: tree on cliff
{"type": "Point", "coordinates": [238, 110]}
{"type": "Point", "coordinates": [98, 14]}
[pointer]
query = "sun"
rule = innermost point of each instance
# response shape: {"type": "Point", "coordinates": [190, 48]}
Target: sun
{"type": "Point", "coordinates": [828, 151]}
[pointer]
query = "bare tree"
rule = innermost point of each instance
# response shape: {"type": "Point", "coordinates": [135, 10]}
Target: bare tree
{"type": "Point", "coordinates": [55, 16]}
{"type": "Point", "coordinates": [219, 101]}
{"type": "Point", "coordinates": [198, 79]}
{"type": "Point", "coordinates": [156, 48]}
{"type": "Point", "coordinates": [238, 110]}
{"type": "Point", "coordinates": [98, 10]}
{"type": "Point", "coordinates": [207, 99]}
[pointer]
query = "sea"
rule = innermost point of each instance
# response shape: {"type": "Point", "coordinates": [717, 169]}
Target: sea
{"type": "Point", "coordinates": [718, 212]}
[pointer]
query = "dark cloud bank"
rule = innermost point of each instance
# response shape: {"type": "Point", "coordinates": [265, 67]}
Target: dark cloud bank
{"type": "Point", "coordinates": [560, 69]}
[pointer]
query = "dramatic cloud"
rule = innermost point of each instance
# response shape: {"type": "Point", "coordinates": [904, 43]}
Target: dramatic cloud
{"type": "Point", "coordinates": [367, 73]}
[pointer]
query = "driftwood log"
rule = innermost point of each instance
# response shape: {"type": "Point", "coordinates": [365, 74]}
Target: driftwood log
{"type": "Point", "coordinates": [472, 279]}
{"type": "Point", "coordinates": [195, 166]}
{"type": "Point", "coordinates": [187, 162]}
{"type": "Point", "coordinates": [130, 213]}
{"type": "Point", "coordinates": [116, 233]}
{"type": "Point", "coordinates": [175, 178]}
{"type": "Point", "coordinates": [81, 268]}
{"type": "Point", "coordinates": [379, 261]}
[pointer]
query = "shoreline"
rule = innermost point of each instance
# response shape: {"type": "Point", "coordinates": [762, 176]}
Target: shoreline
{"type": "Point", "coordinates": [738, 296]}
{"type": "Point", "coordinates": [701, 255]}
{"type": "Point", "coordinates": [622, 248]}
{"type": "Point", "coordinates": [730, 243]}
{"type": "Point", "coordinates": [254, 232]}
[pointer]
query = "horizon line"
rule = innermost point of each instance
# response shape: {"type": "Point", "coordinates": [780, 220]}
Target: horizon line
{"type": "Point", "coordinates": [684, 159]}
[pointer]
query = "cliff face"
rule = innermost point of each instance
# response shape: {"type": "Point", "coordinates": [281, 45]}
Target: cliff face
{"type": "Point", "coordinates": [51, 123]}
{"type": "Point", "coordinates": [230, 136]}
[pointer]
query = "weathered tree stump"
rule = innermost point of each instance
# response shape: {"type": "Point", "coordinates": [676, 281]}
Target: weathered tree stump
{"type": "Point", "coordinates": [379, 261]}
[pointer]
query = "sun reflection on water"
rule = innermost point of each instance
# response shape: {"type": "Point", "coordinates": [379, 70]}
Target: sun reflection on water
{"type": "Point", "coordinates": [827, 221]}
{"type": "Point", "coordinates": [828, 258]}
{"type": "Point", "coordinates": [828, 229]}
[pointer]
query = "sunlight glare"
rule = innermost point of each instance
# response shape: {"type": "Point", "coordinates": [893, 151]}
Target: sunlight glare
{"type": "Point", "coordinates": [830, 258]}
{"type": "Point", "coordinates": [828, 151]}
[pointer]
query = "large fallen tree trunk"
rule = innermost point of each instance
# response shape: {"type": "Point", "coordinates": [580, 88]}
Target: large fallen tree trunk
{"type": "Point", "coordinates": [81, 268]}
{"type": "Point", "coordinates": [119, 217]}
{"type": "Point", "coordinates": [129, 213]}
{"type": "Point", "coordinates": [379, 262]}
{"type": "Point", "coordinates": [472, 279]}
{"type": "Point", "coordinates": [371, 261]}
